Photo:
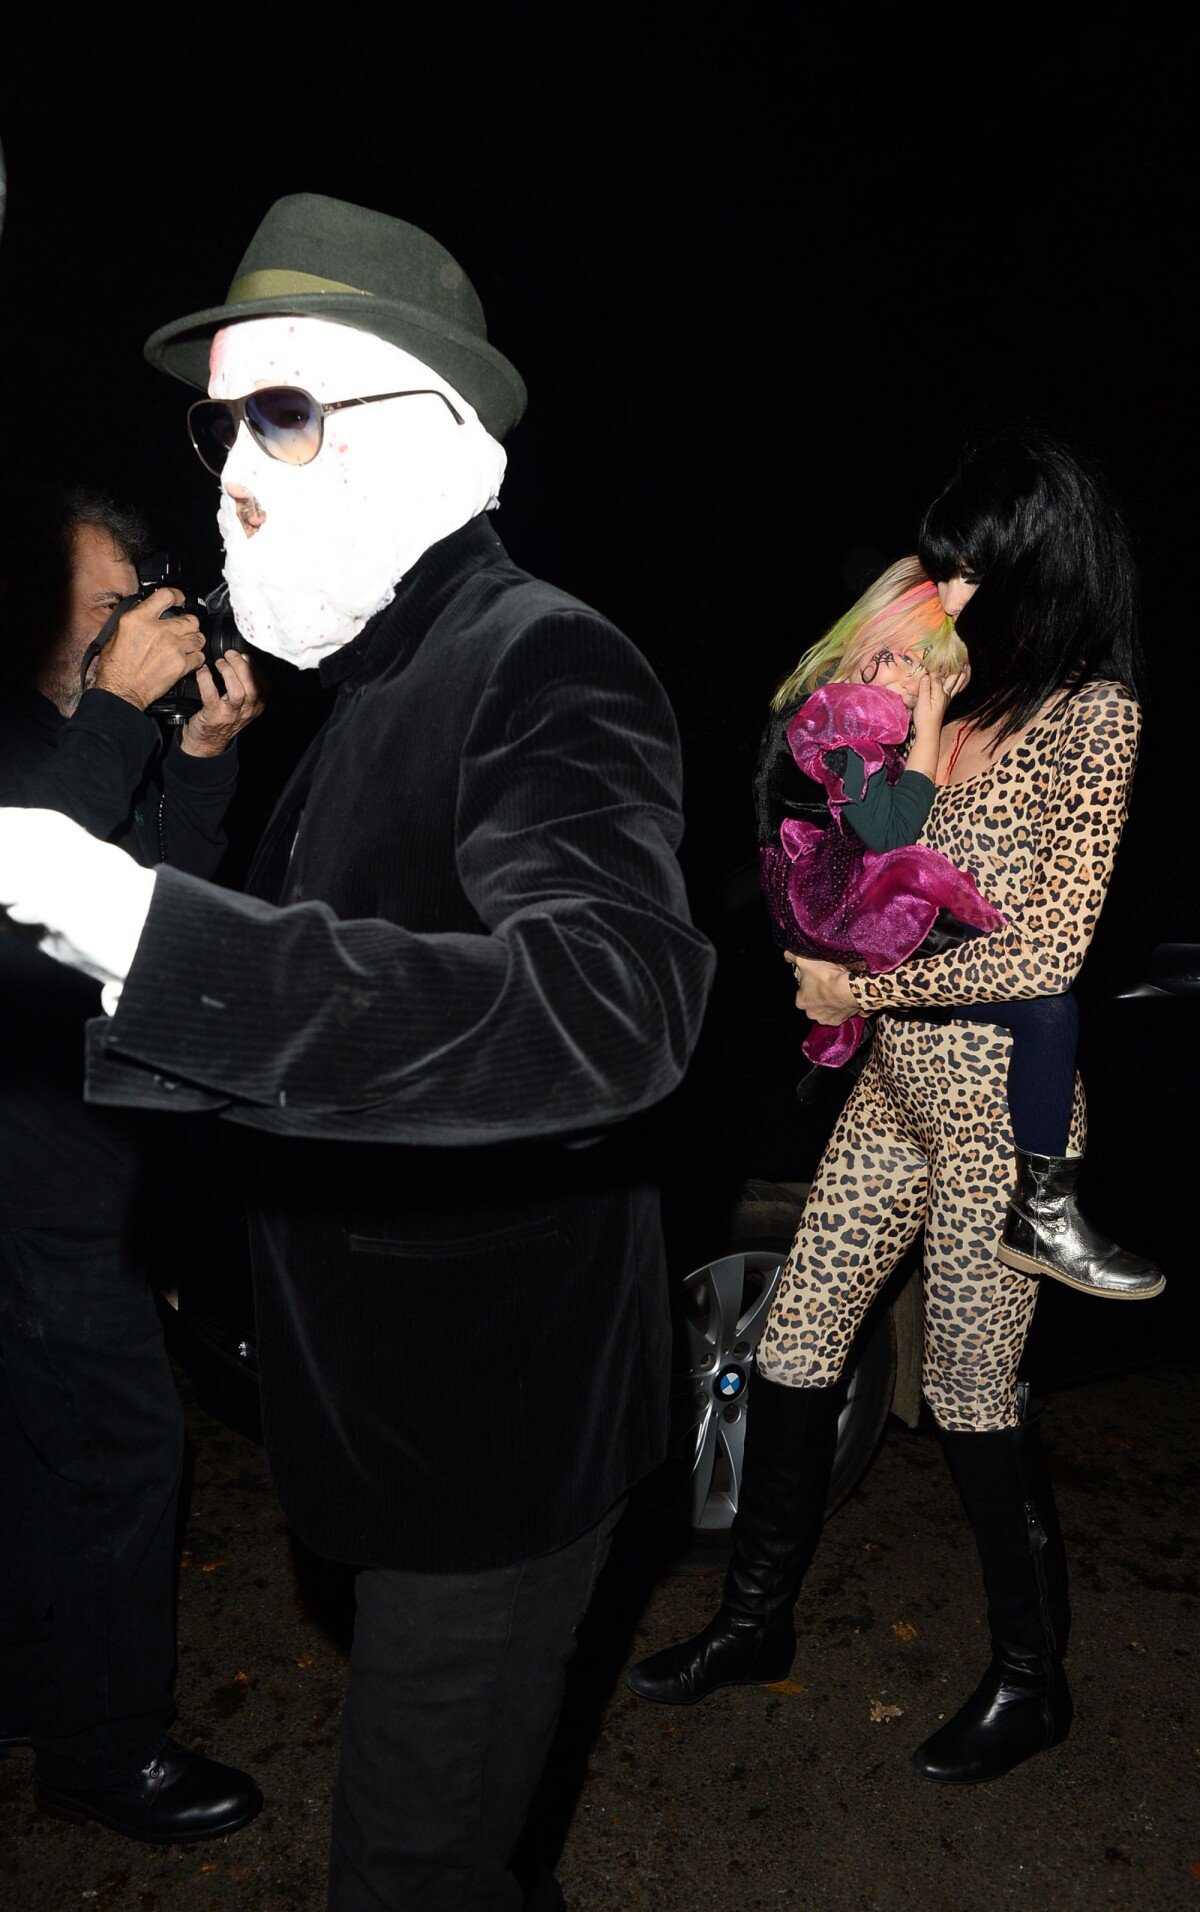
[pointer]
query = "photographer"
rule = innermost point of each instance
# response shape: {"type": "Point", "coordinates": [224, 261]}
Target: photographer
{"type": "Point", "coordinates": [91, 1427]}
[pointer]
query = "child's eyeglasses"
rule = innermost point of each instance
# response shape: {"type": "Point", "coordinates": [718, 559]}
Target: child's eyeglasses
{"type": "Point", "coordinates": [912, 665]}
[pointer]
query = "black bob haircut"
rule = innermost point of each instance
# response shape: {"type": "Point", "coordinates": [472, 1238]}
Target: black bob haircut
{"type": "Point", "coordinates": [1057, 604]}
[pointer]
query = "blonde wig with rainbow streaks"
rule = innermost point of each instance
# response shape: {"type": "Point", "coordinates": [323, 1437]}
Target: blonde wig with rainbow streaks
{"type": "Point", "coordinates": [901, 611]}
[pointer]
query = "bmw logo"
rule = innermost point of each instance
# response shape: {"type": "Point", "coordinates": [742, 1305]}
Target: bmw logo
{"type": "Point", "coordinates": [730, 1383]}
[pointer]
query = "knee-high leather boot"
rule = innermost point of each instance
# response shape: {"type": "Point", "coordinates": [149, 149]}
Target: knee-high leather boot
{"type": "Point", "coordinates": [791, 1435]}
{"type": "Point", "coordinates": [1022, 1704]}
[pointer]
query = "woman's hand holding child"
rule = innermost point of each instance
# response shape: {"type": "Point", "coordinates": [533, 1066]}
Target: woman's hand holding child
{"type": "Point", "coordinates": [823, 990]}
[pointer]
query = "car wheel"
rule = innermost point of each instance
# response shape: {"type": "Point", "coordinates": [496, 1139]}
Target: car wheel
{"type": "Point", "coordinates": [721, 1310]}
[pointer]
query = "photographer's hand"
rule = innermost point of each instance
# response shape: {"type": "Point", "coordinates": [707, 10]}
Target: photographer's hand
{"type": "Point", "coordinates": [148, 653]}
{"type": "Point", "coordinates": [219, 719]}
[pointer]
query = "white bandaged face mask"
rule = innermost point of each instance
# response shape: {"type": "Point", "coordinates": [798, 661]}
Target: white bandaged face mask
{"type": "Point", "coordinates": [313, 551]}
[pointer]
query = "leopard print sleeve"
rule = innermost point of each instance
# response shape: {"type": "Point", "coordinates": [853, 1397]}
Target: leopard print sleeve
{"type": "Point", "coordinates": [1074, 775]}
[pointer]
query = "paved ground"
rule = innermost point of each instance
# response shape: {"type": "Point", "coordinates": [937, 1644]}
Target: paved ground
{"type": "Point", "coordinates": [799, 1795]}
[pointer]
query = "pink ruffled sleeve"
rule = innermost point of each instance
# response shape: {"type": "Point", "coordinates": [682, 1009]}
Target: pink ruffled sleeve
{"type": "Point", "coordinates": [857, 717]}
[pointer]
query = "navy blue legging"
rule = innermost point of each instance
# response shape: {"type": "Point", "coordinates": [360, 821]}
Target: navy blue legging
{"type": "Point", "coordinates": [1041, 1068]}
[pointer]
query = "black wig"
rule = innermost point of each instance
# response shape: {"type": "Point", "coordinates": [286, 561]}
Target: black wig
{"type": "Point", "coordinates": [1057, 604]}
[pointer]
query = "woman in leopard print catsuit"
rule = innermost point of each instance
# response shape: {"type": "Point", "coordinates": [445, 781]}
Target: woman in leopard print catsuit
{"type": "Point", "coordinates": [1034, 783]}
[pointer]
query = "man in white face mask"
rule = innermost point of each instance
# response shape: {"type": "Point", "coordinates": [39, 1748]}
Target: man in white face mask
{"type": "Point", "coordinates": [465, 959]}
{"type": "Point", "coordinates": [311, 552]}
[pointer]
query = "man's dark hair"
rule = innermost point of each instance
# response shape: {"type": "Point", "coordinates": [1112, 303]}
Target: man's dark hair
{"type": "Point", "coordinates": [1057, 604]}
{"type": "Point", "coordinates": [37, 526]}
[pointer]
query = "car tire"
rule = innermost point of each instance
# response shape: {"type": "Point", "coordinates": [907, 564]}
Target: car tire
{"type": "Point", "coordinates": [720, 1309]}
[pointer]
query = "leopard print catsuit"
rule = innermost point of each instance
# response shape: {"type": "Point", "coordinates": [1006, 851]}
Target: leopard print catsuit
{"type": "Point", "coordinates": [924, 1139]}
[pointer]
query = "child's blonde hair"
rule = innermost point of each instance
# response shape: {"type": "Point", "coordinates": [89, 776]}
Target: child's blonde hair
{"type": "Point", "coordinates": [901, 611]}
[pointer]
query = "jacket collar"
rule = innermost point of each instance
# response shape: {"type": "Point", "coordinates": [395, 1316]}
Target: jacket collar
{"type": "Point", "coordinates": [37, 711]}
{"type": "Point", "coordinates": [394, 633]}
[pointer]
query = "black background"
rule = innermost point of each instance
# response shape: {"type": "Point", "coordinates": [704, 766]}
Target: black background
{"type": "Point", "coordinates": [761, 270]}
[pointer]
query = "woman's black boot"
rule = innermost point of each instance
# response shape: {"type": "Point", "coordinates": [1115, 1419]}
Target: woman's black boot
{"type": "Point", "coordinates": [1022, 1704]}
{"type": "Point", "coordinates": [791, 1435]}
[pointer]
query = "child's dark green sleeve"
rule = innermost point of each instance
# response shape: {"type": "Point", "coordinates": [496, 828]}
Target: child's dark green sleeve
{"type": "Point", "coordinates": [887, 815]}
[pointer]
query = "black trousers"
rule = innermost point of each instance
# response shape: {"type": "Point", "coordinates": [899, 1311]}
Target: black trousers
{"type": "Point", "coordinates": [91, 1453]}
{"type": "Point", "coordinates": [456, 1684]}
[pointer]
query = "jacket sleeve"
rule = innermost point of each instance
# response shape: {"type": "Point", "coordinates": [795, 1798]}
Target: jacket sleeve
{"type": "Point", "coordinates": [578, 1002]}
{"type": "Point", "coordinates": [197, 792]}
{"type": "Point", "coordinates": [1040, 951]}
{"type": "Point", "coordinates": [100, 760]}
{"type": "Point", "coordinates": [883, 815]}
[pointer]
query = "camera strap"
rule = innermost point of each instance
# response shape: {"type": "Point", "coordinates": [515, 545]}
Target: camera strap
{"type": "Point", "coordinates": [102, 636]}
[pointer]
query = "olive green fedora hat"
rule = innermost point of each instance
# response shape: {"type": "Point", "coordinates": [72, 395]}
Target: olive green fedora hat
{"type": "Point", "coordinates": [323, 258]}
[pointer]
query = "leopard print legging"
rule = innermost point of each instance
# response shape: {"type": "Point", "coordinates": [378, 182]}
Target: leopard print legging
{"type": "Point", "coordinates": [925, 1138]}
{"type": "Point", "coordinates": [924, 1141]}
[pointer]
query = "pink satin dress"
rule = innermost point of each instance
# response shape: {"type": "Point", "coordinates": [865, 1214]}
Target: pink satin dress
{"type": "Point", "coordinates": [829, 895]}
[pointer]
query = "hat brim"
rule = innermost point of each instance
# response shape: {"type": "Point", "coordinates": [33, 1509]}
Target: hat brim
{"type": "Point", "coordinates": [484, 376]}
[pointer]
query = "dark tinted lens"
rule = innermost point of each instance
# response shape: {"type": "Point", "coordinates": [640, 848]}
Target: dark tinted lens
{"type": "Point", "coordinates": [213, 430]}
{"type": "Point", "coordinates": [286, 423]}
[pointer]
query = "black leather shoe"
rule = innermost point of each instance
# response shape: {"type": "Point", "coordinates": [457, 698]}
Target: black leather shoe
{"type": "Point", "coordinates": [731, 1651]}
{"type": "Point", "coordinates": [1014, 1712]}
{"type": "Point", "coordinates": [178, 1795]}
{"type": "Point", "coordinates": [8, 1741]}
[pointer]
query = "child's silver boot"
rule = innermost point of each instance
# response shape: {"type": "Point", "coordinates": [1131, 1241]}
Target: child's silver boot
{"type": "Point", "coordinates": [1045, 1234]}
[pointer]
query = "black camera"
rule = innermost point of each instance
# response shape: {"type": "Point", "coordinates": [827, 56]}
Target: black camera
{"type": "Point", "coordinates": [217, 627]}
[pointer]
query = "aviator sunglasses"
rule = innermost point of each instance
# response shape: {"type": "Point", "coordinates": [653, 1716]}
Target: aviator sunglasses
{"type": "Point", "coordinates": [288, 422]}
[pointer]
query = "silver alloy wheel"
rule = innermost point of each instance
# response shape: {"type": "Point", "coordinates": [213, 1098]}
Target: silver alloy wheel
{"type": "Point", "coordinates": [723, 1308]}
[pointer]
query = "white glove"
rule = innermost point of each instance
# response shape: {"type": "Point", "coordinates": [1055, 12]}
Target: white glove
{"type": "Point", "coordinates": [90, 899]}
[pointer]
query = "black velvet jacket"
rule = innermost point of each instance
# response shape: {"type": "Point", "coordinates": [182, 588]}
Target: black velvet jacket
{"type": "Point", "coordinates": [466, 957]}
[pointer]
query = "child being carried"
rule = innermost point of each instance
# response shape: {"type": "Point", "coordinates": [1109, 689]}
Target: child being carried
{"type": "Point", "coordinates": [847, 881]}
